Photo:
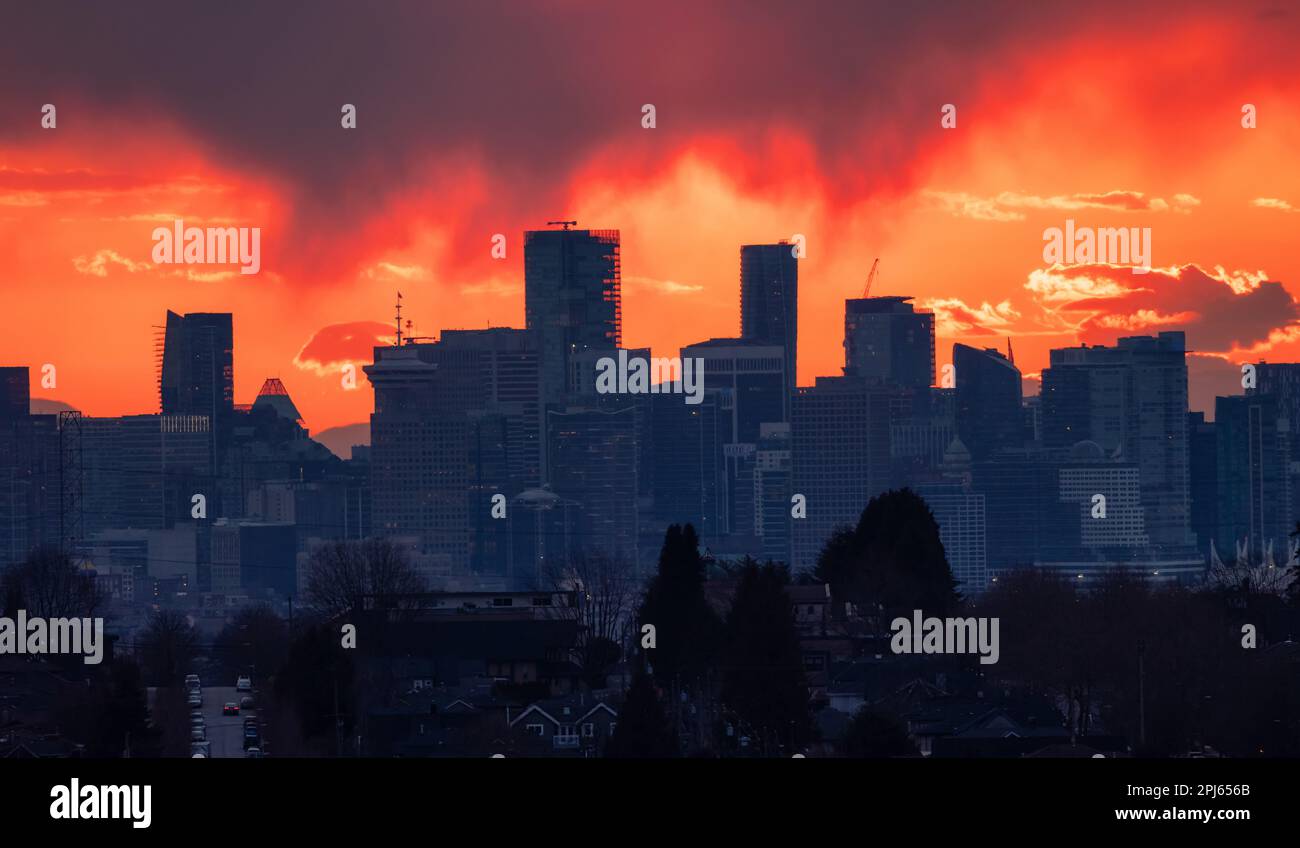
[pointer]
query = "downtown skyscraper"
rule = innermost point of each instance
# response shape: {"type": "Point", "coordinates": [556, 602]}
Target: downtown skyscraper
{"type": "Point", "coordinates": [572, 298]}
{"type": "Point", "coordinates": [452, 420]}
{"type": "Point", "coordinates": [1131, 400]}
{"type": "Point", "coordinates": [839, 457]}
{"type": "Point", "coordinates": [769, 300]}
{"type": "Point", "coordinates": [988, 400]}
{"type": "Point", "coordinates": [197, 372]}
{"type": "Point", "coordinates": [1254, 508]}
{"type": "Point", "coordinates": [886, 338]}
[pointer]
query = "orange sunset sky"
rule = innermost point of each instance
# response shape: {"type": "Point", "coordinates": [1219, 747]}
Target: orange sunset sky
{"type": "Point", "coordinates": [772, 119]}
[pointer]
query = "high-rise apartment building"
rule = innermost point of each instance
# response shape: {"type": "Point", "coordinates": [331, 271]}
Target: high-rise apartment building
{"type": "Point", "coordinates": [197, 374]}
{"type": "Point", "coordinates": [769, 300]}
{"type": "Point", "coordinates": [839, 457]}
{"type": "Point", "coordinates": [143, 471]}
{"type": "Point", "coordinates": [594, 451]}
{"type": "Point", "coordinates": [440, 452]}
{"type": "Point", "coordinates": [1131, 400]}
{"type": "Point", "coordinates": [1254, 507]}
{"type": "Point", "coordinates": [887, 339]}
{"type": "Point", "coordinates": [572, 298]}
{"type": "Point", "coordinates": [989, 416]}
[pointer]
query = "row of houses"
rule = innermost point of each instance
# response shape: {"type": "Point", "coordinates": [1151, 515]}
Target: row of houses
{"type": "Point", "coordinates": [479, 717]}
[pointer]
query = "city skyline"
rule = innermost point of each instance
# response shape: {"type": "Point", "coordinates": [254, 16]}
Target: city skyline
{"type": "Point", "coordinates": [868, 382]}
{"type": "Point", "coordinates": [412, 199]}
{"type": "Point", "coordinates": [1203, 387]}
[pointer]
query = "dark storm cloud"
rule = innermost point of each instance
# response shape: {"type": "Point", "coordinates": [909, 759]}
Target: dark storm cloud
{"type": "Point", "coordinates": [529, 89]}
{"type": "Point", "coordinates": [526, 92]}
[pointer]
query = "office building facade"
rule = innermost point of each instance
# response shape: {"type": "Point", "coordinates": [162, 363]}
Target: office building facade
{"type": "Point", "coordinates": [988, 392]}
{"type": "Point", "coordinates": [572, 298]}
{"type": "Point", "coordinates": [1131, 400]}
{"type": "Point", "coordinates": [839, 457]}
{"type": "Point", "coordinates": [769, 301]}
{"type": "Point", "coordinates": [885, 338]}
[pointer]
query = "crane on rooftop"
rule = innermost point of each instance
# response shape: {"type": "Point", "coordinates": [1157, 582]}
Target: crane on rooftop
{"type": "Point", "coordinates": [871, 278]}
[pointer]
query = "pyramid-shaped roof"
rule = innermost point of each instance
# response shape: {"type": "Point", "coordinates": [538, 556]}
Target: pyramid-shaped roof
{"type": "Point", "coordinates": [276, 396]}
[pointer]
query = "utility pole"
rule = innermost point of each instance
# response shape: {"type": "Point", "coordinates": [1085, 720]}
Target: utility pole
{"type": "Point", "coordinates": [338, 725]}
{"type": "Point", "coordinates": [1142, 695]}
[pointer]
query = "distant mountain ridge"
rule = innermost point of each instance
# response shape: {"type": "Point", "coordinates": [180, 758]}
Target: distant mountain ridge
{"type": "Point", "coordinates": [341, 439]}
{"type": "Point", "coordinates": [46, 406]}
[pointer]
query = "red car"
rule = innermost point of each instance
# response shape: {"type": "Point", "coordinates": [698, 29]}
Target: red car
{"type": "Point", "coordinates": [231, 708]}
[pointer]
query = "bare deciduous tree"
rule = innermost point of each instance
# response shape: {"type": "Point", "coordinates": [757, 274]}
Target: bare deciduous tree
{"type": "Point", "coordinates": [606, 598]}
{"type": "Point", "coordinates": [168, 646]}
{"type": "Point", "coordinates": [49, 584]}
{"type": "Point", "coordinates": [1246, 578]}
{"type": "Point", "coordinates": [351, 576]}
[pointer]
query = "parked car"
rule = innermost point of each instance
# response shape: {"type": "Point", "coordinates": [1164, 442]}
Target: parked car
{"type": "Point", "coordinates": [243, 683]}
{"type": "Point", "coordinates": [197, 722]}
{"type": "Point", "coordinates": [198, 734]}
{"type": "Point", "coordinates": [252, 739]}
{"type": "Point", "coordinates": [230, 708]}
{"type": "Point", "coordinates": [194, 700]}
{"type": "Point", "coordinates": [196, 713]}
{"type": "Point", "coordinates": [246, 703]}
{"type": "Point", "coordinates": [200, 749]}
{"type": "Point", "coordinates": [254, 753]}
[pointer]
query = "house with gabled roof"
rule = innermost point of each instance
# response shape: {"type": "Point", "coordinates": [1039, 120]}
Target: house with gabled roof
{"type": "Point", "coordinates": [571, 724]}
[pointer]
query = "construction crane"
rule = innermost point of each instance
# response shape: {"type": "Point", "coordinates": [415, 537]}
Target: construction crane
{"type": "Point", "coordinates": [871, 278]}
{"type": "Point", "coordinates": [565, 224]}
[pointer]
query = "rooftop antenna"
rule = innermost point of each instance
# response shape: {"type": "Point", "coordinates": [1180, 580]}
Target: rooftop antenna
{"type": "Point", "coordinates": [565, 224]}
{"type": "Point", "coordinates": [410, 335]}
{"type": "Point", "coordinates": [399, 320]}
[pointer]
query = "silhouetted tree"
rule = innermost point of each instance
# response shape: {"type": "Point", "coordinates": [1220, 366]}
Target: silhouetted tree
{"type": "Point", "coordinates": [1092, 645]}
{"type": "Point", "coordinates": [112, 713]}
{"type": "Point", "coordinates": [316, 685]}
{"type": "Point", "coordinates": [48, 584]}
{"type": "Point", "coordinates": [892, 558]}
{"type": "Point", "coordinates": [763, 682]}
{"type": "Point", "coordinates": [686, 628]}
{"type": "Point", "coordinates": [171, 720]}
{"type": "Point", "coordinates": [1242, 581]}
{"type": "Point", "coordinates": [168, 646]}
{"type": "Point", "coordinates": [346, 577]}
{"type": "Point", "coordinates": [876, 734]}
{"type": "Point", "coordinates": [606, 603]}
{"type": "Point", "coordinates": [256, 640]}
{"type": "Point", "coordinates": [643, 730]}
